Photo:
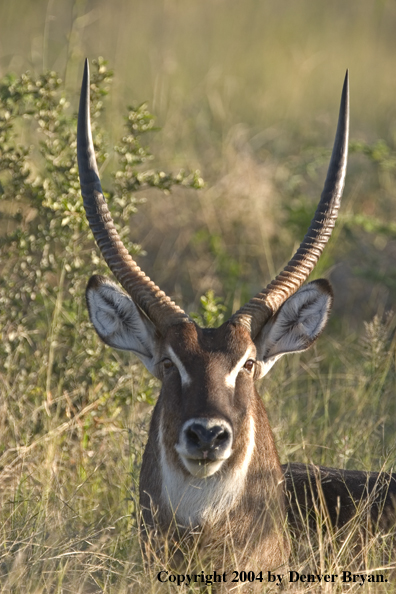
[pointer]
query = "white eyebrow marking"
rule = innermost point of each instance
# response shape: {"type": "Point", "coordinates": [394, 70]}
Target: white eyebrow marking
{"type": "Point", "coordinates": [185, 378]}
{"type": "Point", "coordinates": [230, 378]}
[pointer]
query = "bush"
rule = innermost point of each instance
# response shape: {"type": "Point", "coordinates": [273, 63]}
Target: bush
{"type": "Point", "coordinates": [50, 355]}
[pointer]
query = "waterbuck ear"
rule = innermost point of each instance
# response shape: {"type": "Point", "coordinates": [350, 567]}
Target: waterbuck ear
{"type": "Point", "coordinates": [297, 324]}
{"type": "Point", "coordinates": [119, 322]}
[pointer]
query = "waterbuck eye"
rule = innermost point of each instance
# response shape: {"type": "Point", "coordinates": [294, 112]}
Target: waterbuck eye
{"type": "Point", "coordinates": [249, 365]}
{"type": "Point", "coordinates": [167, 364]}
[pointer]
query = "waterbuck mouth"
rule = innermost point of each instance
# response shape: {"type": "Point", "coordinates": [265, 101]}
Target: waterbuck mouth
{"type": "Point", "coordinates": [202, 468]}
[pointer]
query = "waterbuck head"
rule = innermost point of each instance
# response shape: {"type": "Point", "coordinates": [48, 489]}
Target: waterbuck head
{"type": "Point", "coordinates": [210, 453]}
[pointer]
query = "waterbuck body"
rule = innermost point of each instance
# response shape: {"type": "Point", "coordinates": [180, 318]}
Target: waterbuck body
{"type": "Point", "coordinates": [339, 495]}
{"type": "Point", "coordinates": [211, 482]}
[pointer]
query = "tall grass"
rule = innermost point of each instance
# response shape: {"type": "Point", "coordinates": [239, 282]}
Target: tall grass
{"type": "Point", "coordinates": [68, 497]}
{"type": "Point", "coordinates": [248, 93]}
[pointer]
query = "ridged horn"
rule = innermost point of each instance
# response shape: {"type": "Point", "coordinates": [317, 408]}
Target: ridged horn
{"type": "Point", "coordinates": [148, 297]}
{"type": "Point", "coordinates": [262, 306]}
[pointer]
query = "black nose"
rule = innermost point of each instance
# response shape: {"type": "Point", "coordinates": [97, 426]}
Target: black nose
{"type": "Point", "coordinates": [203, 438]}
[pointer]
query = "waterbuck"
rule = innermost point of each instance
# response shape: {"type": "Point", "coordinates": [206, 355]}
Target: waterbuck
{"type": "Point", "coordinates": [211, 480]}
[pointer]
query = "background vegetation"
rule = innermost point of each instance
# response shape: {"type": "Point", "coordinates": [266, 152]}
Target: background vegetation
{"type": "Point", "coordinates": [246, 93]}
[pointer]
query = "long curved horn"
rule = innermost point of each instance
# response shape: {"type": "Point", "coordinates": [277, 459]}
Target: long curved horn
{"type": "Point", "coordinates": [148, 297]}
{"type": "Point", "coordinates": [262, 306]}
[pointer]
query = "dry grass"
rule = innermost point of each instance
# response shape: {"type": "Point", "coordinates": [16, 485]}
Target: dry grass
{"type": "Point", "coordinates": [68, 498]}
{"type": "Point", "coordinates": [241, 90]}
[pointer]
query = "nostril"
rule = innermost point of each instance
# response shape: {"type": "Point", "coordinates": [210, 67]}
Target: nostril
{"type": "Point", "coordinates": [192, 436]}
{"type": "Point", "coordinates": [197, 435]}
{"type": "Point", "coordinates": [222, 436]}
